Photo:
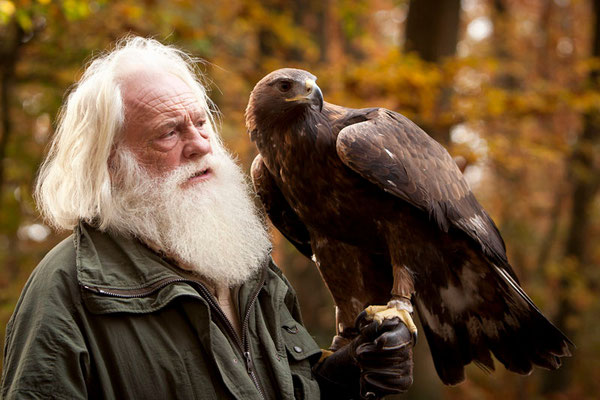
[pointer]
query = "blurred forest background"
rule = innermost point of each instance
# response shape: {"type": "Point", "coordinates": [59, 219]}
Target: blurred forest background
{"type": "Point", "coordinates": [510, 87]}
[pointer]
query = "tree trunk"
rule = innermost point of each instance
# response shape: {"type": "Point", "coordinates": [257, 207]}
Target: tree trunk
{"type": "Point", "coordinates": [432, 28]}
{"type": "Point", "coordinates": [9, 52]}
{"type": "Point", "coordinates": [585, 177]}
{"type": "Point", "coordinates": [10, 45]}
{"type": "Point", "coordinates": [432, 32]}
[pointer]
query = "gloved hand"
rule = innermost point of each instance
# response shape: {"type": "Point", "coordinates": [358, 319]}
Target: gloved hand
{"type": "Point", "coordinates": [376, 363]}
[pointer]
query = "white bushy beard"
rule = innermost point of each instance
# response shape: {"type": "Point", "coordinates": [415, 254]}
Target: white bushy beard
{"type": "Point", "coordinates": [211, 227]}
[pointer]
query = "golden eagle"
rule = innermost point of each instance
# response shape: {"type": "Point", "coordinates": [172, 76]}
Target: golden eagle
{"type": "Point", "coordinates": [389, 219]}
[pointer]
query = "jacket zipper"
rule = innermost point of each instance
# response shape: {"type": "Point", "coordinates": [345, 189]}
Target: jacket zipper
{"type": "Point", "coordinates": [243, 344]}
{"type": "Point", "coordinates": [135, 293]}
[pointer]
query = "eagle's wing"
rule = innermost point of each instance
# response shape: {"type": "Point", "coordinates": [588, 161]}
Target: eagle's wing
{"type": "Point", "coordinates": [463, 318]}
{"type": "Point", "coordinates": [277, 208]}
{"type": "Point", "coordinates": [394, 153]}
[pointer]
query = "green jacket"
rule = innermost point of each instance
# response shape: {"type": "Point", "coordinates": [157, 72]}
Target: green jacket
{"type": "Point", "coordinates": [106, 317]}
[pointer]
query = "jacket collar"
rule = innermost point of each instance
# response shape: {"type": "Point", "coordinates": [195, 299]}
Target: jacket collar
{"type": "Point", "coordinates": [119, 274]}
{"type": "Point", "coordinates": [108, 261]}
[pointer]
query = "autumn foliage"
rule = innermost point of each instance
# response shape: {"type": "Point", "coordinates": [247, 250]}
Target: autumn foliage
{"type": "Point", "coordinates": [512, 90]}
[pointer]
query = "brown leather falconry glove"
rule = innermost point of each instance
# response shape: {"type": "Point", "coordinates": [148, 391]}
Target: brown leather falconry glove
{"type": "Point", "coordinates": [376, 363]}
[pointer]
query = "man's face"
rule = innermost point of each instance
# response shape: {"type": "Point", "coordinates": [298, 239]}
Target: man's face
{"type": "Point", "coordinates": [177, 191]}
{"type": "Point", "coordinates": [165, 124]}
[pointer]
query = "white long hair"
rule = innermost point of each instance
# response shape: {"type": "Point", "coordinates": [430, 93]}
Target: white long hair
{"type": "Point", "coordinates": [74, 182]}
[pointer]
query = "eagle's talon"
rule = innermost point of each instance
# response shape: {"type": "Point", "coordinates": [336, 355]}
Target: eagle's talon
{"type": "Point", "coordinates": [362, 319]}
{"type": "Point", "coordinates": [394, 309]}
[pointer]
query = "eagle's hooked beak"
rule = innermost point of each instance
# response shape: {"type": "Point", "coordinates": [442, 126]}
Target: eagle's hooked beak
{"type": "Point", "coordinates": [314, 94]}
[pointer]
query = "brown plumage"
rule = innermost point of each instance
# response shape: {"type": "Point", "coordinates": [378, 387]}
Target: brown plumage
{"type": "Point", "coordinates": [387, 214]}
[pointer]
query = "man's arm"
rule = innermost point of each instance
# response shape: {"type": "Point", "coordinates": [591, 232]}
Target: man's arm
{"type": "Point", "coordinates": [45, 354]}
{"type": "Point", "coordinates": [376, 363]}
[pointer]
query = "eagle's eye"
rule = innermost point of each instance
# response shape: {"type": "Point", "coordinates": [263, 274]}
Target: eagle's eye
{"type": "Point", "coordinates": [284, 86]}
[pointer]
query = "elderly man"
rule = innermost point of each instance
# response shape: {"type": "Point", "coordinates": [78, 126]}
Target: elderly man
{"type": "Point", "coordinates": [166, 288]}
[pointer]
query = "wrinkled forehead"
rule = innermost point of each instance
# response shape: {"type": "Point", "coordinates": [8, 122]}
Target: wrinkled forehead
{"type": "Point", "coordinates": [148, 94]}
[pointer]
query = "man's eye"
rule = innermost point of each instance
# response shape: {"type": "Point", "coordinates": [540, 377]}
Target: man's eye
{"type": "Point", "coordinates": [168, 135]}
{"type": "Point", "coordinates": [200, 123]}
{"type": "Point", "coordinates": [285, 86]}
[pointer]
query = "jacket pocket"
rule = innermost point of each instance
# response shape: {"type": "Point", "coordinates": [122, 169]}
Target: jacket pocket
{"type": "Point", "coordinates": [301, 349]}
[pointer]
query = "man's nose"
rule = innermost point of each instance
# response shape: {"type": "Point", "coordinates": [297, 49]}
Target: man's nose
{"type": "Point", "coordinates": [197, 142]}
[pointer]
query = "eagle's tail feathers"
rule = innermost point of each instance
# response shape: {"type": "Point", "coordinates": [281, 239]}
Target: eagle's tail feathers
{"type": "Point", "coordinates": [555, 342]}
{"type": "Point", "coordinates": [508, 279]}
{"type": "Point", "coordinates": [454, 346]}
{"type": "Point", "coordinates": [482, 310]}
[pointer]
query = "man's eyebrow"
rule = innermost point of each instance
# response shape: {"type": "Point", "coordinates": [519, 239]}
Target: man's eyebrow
{"type": "Point", "coordinates": [198, 114]}
{"type": "Point", "coordinates": [171, 123]}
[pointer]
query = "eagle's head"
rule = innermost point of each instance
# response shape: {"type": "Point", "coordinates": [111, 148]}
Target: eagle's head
{"type": "Point", "coordinates": [282, 95]}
